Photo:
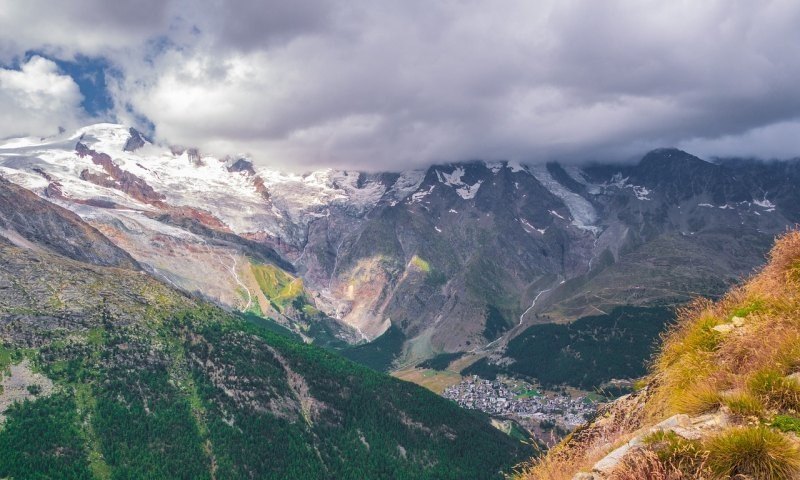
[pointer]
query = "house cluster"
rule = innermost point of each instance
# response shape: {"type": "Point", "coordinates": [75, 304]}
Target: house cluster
{"type": "Point", "coordinates": [518, 400]}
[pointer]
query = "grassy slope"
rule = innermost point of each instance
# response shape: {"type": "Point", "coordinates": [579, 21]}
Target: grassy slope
{"type": "Point", "coordinates": [734, 358]}
{"type": "Point", "coordinates": [151, 384]}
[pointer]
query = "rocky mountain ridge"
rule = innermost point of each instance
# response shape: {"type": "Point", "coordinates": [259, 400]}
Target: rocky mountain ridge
{"type": "Point", "coordinates": [457, 258]}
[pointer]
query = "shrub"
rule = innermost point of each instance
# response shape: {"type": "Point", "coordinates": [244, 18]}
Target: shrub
{"type": "Point", "coordinates": [745, 310]}
{"type": "Point", "coordinates": [756, 451]}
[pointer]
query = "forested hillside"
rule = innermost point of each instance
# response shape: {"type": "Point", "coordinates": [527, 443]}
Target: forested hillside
{"type": "Point", "coordinates": [116, 375]}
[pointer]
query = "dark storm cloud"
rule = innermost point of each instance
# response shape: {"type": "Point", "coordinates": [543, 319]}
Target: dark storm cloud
{"type": "Point", "coordinates": [374, 84]}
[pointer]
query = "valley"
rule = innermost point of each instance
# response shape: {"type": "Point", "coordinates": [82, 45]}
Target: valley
{"type": "Point", "coordinates": [108, 372]}
{"type": "Point", "coordinates": [376, 240]}
{"type": "Point", "coordinates": [551, 274]}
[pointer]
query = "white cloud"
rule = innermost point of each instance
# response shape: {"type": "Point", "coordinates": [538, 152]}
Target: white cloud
{"type": "Point", "coordinates": [37, 99]}
{"type": "Point", "coordinates": [380, 84]}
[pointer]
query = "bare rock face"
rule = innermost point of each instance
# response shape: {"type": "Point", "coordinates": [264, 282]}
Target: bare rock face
{"type": "Point", "coordinates": [26, 217]}
{"type": "Point", "coordinates": [135, 142]}
{"type": "Point", "coordinates": [116, 177]}
{"type": "Point", "coordinates": [242, 165]}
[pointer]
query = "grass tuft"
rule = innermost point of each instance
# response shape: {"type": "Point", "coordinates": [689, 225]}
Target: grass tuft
{"type": "Point", "coordinates": [775, 389]}
{"type": "Point", "coordinates": [696, 399]}
{"type": "Point", "coordinates": [680, 454]}
{"type": "Point", "coordinates": [757, 452]}
{"type": "Point", "coordinates": [744, 404]}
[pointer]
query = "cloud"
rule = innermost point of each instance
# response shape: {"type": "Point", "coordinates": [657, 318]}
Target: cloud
{"type": "Point", "coordinates": [37, 99]}
{"type": "Point", "coordinates": [776, 141]}
{"type": "Point", "coordinates": [379, 84]}
{"type": "Point", "coordinates": [87, 27]}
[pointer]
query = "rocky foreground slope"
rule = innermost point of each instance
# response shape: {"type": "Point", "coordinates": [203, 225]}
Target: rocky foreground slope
{"type": "Point", "coordinates": [722, 399]}
{"type": "Point", "coordinates": [107, 372]}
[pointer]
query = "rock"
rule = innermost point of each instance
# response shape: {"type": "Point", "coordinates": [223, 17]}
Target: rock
{"type": "Point", "coordinates": [584, 476]}
{"type": "Point", "coordinates": [681, 424]}
{"type": "Point", "coordinates": [711, 421]}
{"type": "Point", "coordinates": [607, 464]}
{"type": "Point", "coordinates": [737, 321]}
{"type": "Point", "coordinates": [687, 433]}
{"type": "Point", "coordinates": [680, 420]}
{"type": "Point", "coordinates": [725, 328]}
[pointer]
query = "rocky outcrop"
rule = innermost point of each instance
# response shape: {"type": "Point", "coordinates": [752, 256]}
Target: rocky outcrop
{"type": "Point", "coordinates": [242, 165]}
{"type": "Point", "coordinates": [135, 142]}
{"type": "Point", "coordinates": [116, 177]}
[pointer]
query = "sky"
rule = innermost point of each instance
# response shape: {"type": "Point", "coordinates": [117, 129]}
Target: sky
{"type": "Point", "coordinates": [387, 85]}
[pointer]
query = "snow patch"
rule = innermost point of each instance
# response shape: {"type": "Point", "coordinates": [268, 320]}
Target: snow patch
{"type": "Point", "coordinates": [530, 228]}
{"type": "Point", "coordinates": [517, 167]}
{"type": "Point", "coordinates": [640, 192]}
{"type": "Point", "coordinates": [583, 213]}
{"type": "Point", "coordinates": [406, 184]}
{"type": "Point", "coordinates": [469, 191]}
{"type": "Point", "coordinates": [495, 167]}
{"type": "Point", "coordinates": [454, 180]}
{"type": "Point", "coordinates": [418, 196]}
{"type": "Point", "coordinates": [766, 204]}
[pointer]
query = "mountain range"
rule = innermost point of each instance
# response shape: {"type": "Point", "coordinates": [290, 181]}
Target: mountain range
{"type": "Point", "coordinates": [478, 260]}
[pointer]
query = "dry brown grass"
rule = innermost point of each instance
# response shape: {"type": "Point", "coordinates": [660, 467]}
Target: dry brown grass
{"type": "Point", "coordinates": [643, 464]}
{"type": "Point", "coordinates": [557, 464]}
{"type": "Point", "coordinates": [695, 360]}
{"type": "Point", "coordinates": [584, 447]}
{"type": "Point", "coordinates": [699, 369]}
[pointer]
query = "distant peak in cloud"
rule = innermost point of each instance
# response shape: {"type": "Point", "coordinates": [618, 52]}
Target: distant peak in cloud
{"type": "Point", "coordinates": [387, 85]}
